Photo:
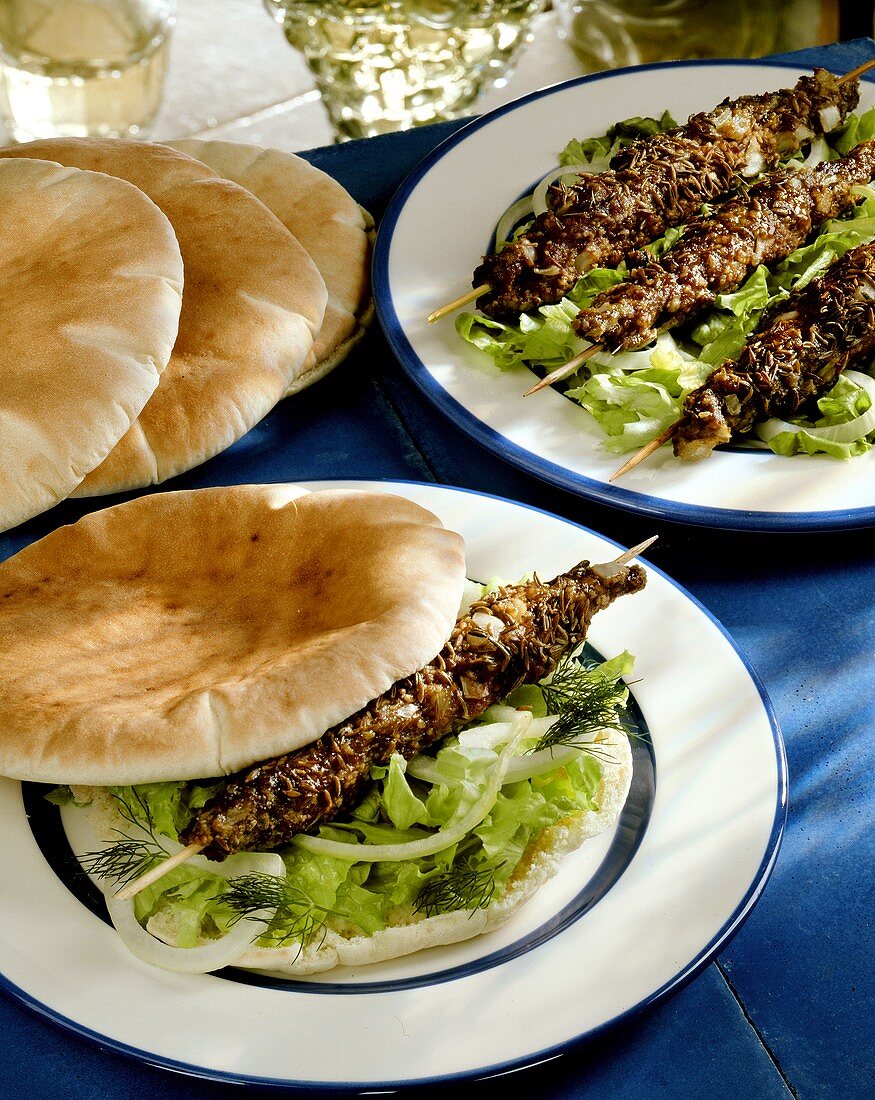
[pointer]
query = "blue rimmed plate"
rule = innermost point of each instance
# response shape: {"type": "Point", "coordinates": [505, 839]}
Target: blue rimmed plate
{"type": "Point", "coordinates": [431, 239]}
{"type": "Point", "coordinates": [628, 919]}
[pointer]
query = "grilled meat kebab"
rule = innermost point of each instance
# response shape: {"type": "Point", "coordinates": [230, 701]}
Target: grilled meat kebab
{"type": "Point", "coordinates": [514, 635]}
{"type": "Point", "coordinates": [716, 253]}
{"type": "Point", "coordinates": [802, 346]}
{"type": "Point", "coordinates": [653, 184]}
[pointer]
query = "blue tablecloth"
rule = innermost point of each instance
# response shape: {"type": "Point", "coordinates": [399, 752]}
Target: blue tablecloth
{"type": "Point", "coordinates": [786, 1008]}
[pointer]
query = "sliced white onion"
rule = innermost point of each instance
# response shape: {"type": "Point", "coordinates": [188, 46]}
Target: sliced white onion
{"type": "Point", "coordinates": [837, 433]}
{"type": "Point", "coordinates": [425, 768]}
{"type": "Point", "coordinates": [539, 195]}
{"type": "Point", "coordinates": [522, 208]}
{"type": "Point", "coordinates": [830, 117]}
{"type": "Point", "coordinates": [492, 735]}
{"type": "Point", "coordinates": [546, 760]}
{"type": "Point", "coordinates": [184, 960]}
{"type": "Point", "coordinates": [210, 956]}
{"type": "Point", "coordinates": [435, 842]}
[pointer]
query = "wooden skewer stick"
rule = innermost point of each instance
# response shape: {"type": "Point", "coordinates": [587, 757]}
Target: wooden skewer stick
{"type": "Point", "coordinates": [457, 303]}
{"type": "Point", "coordinates": [646, 450]}
{"type": "Point", "coordinates": [563, 372]}
{"type": "Point", "coordinates": [634, 552]}
{"type": "Point", "coordinates": [131, 889]}
{"type": "Point", "coordinates": [860, 69]}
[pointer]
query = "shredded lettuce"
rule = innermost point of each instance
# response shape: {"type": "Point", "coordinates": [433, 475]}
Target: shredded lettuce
{"type": "Point", "coordinates": [188, 903]}
{"type": "Point", "coordinates": [844, 402]}
{"type": "Point", "coordinates": [633, 396]}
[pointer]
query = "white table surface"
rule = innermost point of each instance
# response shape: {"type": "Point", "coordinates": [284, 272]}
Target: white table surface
{"type": "Point", "coordinates": [233, 75]}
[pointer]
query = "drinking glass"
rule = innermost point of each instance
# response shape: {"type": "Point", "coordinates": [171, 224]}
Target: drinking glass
{"type": "Point", "coordinates": [384, 65]}
{"type": "Point", "coordinates": [607, 34]}
{"type": "Point", "coordinates": [71, 68]}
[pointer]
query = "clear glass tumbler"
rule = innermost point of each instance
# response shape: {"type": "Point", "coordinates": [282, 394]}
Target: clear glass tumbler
{"type": "Point", "coordinates": [384, 65]}
{"type": "Point", "coordinates": [607, 34]}
{"type": "Point", "coordinates": [72, 68]}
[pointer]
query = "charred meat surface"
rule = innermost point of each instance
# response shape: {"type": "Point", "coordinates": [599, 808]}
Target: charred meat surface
{"type": "Point", "coordinates": [514, 635]}
{"type": "Point", "coordinates": [799, 351]}
{"type": "Point", "coordinates": [716, 253]}
{"type": "Point", "coordinates": [653, 184]}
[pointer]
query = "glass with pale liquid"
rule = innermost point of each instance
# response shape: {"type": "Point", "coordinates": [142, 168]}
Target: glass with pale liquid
{"type": "Point", "coordinates": [608, 34]}
{"type": "Point", "coordinates": [72, 68]}
{"type": "Point", "coordinates": [384, 65]}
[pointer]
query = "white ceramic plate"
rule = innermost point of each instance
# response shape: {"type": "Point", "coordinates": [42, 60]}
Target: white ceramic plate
{"type": "Point", "coordinates": [431, 239]}
{"type": "Point", "coordinates": [629, 918]}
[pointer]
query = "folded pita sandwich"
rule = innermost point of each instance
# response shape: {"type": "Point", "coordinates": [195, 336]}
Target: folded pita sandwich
{"type": "Point", "coordinates": [305, 739]}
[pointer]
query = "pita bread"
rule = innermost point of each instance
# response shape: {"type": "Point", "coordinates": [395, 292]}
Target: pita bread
{"type": "Point", "coordinates": [190, 634]}
{"type": "Point", "coordinates": [252, 305]}
{"type": "Point", "coordinates": [328, 222]}
{"type": "Point", "coordinates": [91, 289]}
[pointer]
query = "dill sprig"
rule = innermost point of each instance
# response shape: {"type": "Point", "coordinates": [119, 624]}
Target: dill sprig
{"type": "Point", "coordinates": [123, 861]}
{"type": "Point", "coordinates": [127, 858]}
{"type": "Point", "coordinates": [458, 888]}
{"type": "Point", "coordinates": [296, 917]}
{"type": "Point", "coordinates": [585, 700]}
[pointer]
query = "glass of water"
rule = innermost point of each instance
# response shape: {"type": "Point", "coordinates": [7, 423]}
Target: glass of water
{"type": "Point", "coordinates": [73, 68]}
{"type": "Point", "coordinates": [384, 65]}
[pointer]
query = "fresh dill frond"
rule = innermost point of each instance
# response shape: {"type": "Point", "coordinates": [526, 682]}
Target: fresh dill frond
{"type": "Point", "coordinates": [296, 919]}
{"type": "Point", "coordinates": [124, 860]}
{"type": "Point", "coordinates": [127, 858]}
{"type": "Point", "coordinates": [585, 700]}
{"type": "Point", "coordinates": [458, 888]}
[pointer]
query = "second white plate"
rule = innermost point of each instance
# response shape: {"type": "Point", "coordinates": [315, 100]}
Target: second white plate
{"type": "Point", "coordinates": [431, 239]}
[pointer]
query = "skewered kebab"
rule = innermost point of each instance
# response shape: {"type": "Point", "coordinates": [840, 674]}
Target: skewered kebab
{"type": "Point", "coordinates": [798, 353]}
{"type": "Point", "coordinates": [516, 634]}
{"type": "Point", "coordinates": [716, 253]}
{"type": "Point", "coordinates": [656, 183]}
{"type": "Point", "coordinates": [760, 226]}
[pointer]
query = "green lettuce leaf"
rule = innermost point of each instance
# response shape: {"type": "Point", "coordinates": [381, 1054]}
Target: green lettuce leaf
{"type": "Point", "coordinates": [857, 128]}
{"type": "Point", "coordinates": [844, 402]}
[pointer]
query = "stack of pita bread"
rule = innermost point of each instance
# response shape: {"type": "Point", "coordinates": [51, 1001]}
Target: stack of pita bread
{"type": "Point", "coordinates": [158, 302]}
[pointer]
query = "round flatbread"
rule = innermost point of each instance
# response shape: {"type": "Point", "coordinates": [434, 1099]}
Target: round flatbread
{"type": "Point", "coordinates": [190, 634]}
{"type": "Point", "coordinates": [252, 304]}
{"type": "Point", "coordinates": [90, 296]}
{"type": "Point", "coordinates": [328, 222]}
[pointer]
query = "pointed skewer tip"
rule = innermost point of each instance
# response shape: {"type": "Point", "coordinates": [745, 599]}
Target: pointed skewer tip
{"type": "Point", "coordinates": [634, 551]}
{"type": "Point", "coordinates": [646, 451]}
{"type": "Point", "coordinates": [457, 303]}
{"type": "Point", "coordinates": [131, 889]}
{"type": "Point", "coordinates": [565, 370]}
